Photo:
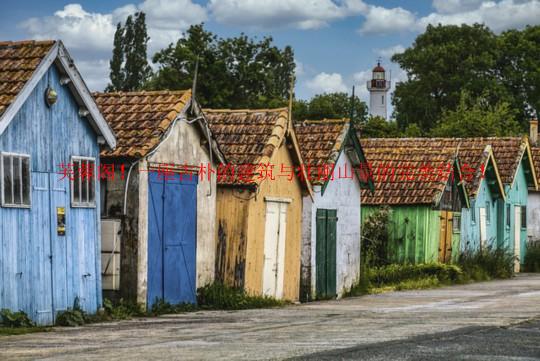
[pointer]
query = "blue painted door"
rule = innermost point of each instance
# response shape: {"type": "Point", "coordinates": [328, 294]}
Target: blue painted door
{"type": "Point", "coordinates": [172, 235]}
{"type": "Point", "coordinates": [41, 249]}
{"type": "Point", "coordinates": [59, 245]}
{"type": "Point", "coordinates": [49, 264]}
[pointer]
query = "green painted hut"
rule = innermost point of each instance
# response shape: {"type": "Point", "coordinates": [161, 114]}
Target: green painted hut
{"type": "Point", "coordinates": [423, 191]}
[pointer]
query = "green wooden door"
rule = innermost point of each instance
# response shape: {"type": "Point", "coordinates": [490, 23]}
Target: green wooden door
{"type": "Point", "coordinates": [326, 252]}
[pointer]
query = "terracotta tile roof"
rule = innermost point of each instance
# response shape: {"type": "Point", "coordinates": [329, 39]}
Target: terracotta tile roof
{"type": "Point", "coordinates": [536, 159]}
{"type": "Point", "coordinates": [406, 173]}
{"type": "Point", "coordinates": [320, 142]}
{"type": "Point", "coordinates": [472, 153]}
{"type": "Point", "coordinates": [248, 136]}
{"type": "Point", "coordinates": [18, 61]}
{"type": "Point", "coordinates": [507, 151]}
{"type": "Point", "coordinates": [140, 119]}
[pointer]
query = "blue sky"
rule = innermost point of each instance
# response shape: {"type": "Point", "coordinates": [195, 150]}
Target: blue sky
{"type": "Point", "coordinates": [336, 42]}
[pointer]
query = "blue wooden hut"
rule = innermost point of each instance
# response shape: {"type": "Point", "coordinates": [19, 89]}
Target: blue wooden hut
{"type": "Point", "coordinates": [51, 132]}
{"type": "Point", "coordinates": [486, 191]}
{"type": "Point", "coordinates": [518, 175]}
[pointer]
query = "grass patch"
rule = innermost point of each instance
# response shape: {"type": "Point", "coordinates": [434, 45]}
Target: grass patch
{"type": "Point", "coordinates": [472, 266]}
{"type": "Point", "coordinates": [532, 257]}
{"type": "Point", "coordinates": [486, 264]}
{"type": "Point", "coordinates": [217, 296]}
{"type": "Point", "coordinates": [420, 284]}
{"type": "Point", "coordinates": [11, 331]}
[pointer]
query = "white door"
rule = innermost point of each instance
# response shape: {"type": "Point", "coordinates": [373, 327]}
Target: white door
{"type": "Point", "coordinates": [517, 236]}
{"type": "Point", "coordinates": [274, 248]}
{"type": "Point", "coordinates": [483, 229]}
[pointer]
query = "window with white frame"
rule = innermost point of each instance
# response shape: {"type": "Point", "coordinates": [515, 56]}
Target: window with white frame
{"type": "Point", "coordinates": [83, 182]}
{"type": "Point", "coordinates": [15, 181]}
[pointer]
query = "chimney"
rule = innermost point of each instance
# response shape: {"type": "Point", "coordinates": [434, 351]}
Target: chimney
{"type": "Point", "coordinates": [533, 134]}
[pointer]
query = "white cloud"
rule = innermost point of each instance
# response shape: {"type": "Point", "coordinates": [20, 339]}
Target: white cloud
{"type": "Point", "coordinates": [327, 83]}
{"type": "Point", "coordinates": [455, 6]}
{"type": "Point", "coordinates": [78, 28]}
{"type": "Point", "coordinates": [381, 20]}
{"type": "Point", "coordinates": [360, 79]}
{"type": "Point", "coordinates": [89, 36]}
{"type": "Point", "coordinates": [303, 14]}
{"type": "Point", "coordinates": [388, 52]}
{"type": "Point", "coordinates": [498, 16]}
{"type": "Point", "coordinates": [95, 73]}
{"type": "Point", "coordinates": [299, 68]}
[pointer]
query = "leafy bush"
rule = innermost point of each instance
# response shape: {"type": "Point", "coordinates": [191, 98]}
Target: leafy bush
{"type": "Point", "coordinates": [486, 264]}
{"type": "Point", "coordinates": [221, 297]}
{"type": "Point", "coordinates": [532, 257]}
{"type": "Point", "coordinates": [121, 310]}
{"type": "Point", "coordinates": [72, 317]}
{"type": "Point", "coordinates": [363, 286]}
{"type": "Point", "coordinates": [15, 319]}
{"type": "Point", "coordinates": [375, 238]}
{"type": "Point", "coordinates": [161, 307]}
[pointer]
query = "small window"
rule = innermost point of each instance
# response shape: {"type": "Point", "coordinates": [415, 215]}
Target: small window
{"type": "Point", "coordinates": [15, 169]}
{"type": "Point", "coordinates": [382, 99]}
{"type": "Point", "coordinates": [473, 212]}
{"type": "Point", "coordinates": [83, 182]}
{"type": "Point", "coordinates": [508, 215]}
{"type": "Point", "coordinates": [456, 223]}
{"type": "Point", "coordinates": [523, 216]}
{"type": "Point", "coordinates": [488, 212]}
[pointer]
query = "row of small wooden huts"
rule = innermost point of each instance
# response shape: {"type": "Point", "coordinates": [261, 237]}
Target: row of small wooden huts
{"type": "Point", "coordinates": [148, 196]}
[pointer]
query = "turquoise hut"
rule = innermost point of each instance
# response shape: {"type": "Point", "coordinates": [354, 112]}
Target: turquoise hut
{"type": "Point", "coordinates": [486, 192]}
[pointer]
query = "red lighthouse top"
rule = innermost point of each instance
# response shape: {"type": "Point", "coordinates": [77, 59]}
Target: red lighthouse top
{"type": "Point", "coordinates": [378, 68]}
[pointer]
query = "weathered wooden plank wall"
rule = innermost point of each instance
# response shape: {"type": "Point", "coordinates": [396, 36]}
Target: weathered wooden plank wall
{"type": "Point", "coordinates": [414, 232]}
{"type": "Point", "coordinates": [280, 187]}
{"type": "Point", "coordinates": [50, 136]}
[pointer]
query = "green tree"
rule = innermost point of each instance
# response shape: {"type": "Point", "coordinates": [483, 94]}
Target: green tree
{"type": "Point", "coordinates": [116, 74]}
{"type": "Point", "coordinates": [442, 62]}
{"type": "Point", "coordinates": [378, 127]}
{"type": "Point", "coordinates": [237, 72]}
{"type": "Point", "coordinates": [330, 106]}
{"type": "Point", "coordinates": [477, 118]}
{"type": "Point", "coordinates": [520, 69]}
{"type": "Point", "coordinates": [129, 68]}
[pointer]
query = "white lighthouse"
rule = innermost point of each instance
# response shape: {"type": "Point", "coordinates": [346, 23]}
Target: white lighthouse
{"type": "Point", "coordinates": [378, 88]}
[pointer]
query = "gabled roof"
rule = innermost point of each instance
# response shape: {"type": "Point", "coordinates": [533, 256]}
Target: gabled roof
{"type": "Point", "coordinates": [322, 142]}
{"type": "Point", "coordinates": [24, 63]}
{"type": "Point", "coordinates": [506, 155]}
{"type": "Point", "coordinates": [140, 119]}
{"type": "Point", "coordinates": [252, 136]}
{"type": "Point", "coordinates": [406, 173]}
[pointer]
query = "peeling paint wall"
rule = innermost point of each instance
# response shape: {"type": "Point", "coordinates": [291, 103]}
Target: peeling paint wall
{"type": "Point", "coordinates": [241, 232]}
{"type": "Point", "coordinates": [232, 208]}
{"type": "Point", "coordinates": [344, 196]}
{"type": "Point", "coordinates": [281, 187]}
{"type": "Point", "coordinates": [307, 292]}
{"type": "Point", "coordinates": [184, 146]}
